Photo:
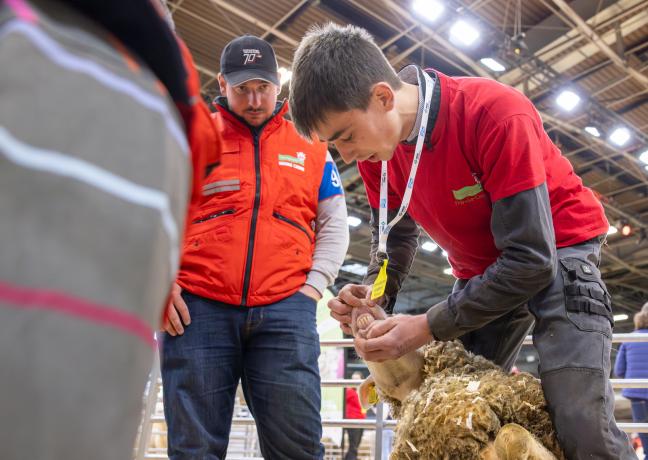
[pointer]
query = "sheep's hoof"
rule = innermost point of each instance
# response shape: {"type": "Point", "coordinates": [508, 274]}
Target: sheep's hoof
{"type": "Point", "coordinates": [515, 443]}
{"type": "Point", "coordinates": [364, 321]}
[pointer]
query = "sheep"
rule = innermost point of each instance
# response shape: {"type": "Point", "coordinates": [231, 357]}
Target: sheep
{"type": "Point", "coordinates": [453, 405]}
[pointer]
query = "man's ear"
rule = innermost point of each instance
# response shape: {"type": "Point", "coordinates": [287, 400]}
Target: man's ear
{"type": "Point", "coordinates": [384, 95]}
{"type": "Point", "coordinates": [222, 84]}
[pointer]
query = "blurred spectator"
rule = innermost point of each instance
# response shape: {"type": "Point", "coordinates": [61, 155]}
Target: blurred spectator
{"type": "Point", "coordinates": [353, 410]}
{"type": "Point", "coordinates": [632, 363]}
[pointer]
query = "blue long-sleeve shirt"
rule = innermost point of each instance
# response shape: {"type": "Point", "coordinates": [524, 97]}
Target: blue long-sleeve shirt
{"type": "Point", "coordinates": [632, 363]}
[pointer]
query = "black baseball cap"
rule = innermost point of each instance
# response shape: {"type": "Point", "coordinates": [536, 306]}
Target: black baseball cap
{"type": "Point", "coordinates": [248, 58]}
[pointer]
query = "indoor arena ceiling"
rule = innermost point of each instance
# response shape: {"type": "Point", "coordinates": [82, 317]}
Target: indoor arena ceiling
{"type": "Point", "coordinates": [597, 49]}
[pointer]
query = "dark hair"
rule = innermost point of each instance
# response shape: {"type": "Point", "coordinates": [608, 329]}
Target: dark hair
{"type": "Point", "coordinates": [641, 318]}
{"type": "Point", "coordinates": [334, 69]}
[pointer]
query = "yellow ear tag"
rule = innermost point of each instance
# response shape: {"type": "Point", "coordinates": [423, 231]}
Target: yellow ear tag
{"type": "Point", "coordinates": [381, 281]}
{"type": "Point", "coordinates": [372, 397]}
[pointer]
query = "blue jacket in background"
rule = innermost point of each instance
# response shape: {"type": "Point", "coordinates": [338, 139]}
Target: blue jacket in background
{"type": "Point", "coordinates": [632, 363]}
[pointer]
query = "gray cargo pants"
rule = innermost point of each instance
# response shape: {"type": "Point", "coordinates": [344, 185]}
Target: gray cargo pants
{"type": "Point", "coordinates": [93, 193]}
{"type": "Point", "coordinates": [573, 336]}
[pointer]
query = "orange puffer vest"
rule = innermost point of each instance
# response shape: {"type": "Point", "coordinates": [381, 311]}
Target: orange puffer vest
{"type": "Point", "coordinates": [251, 240]}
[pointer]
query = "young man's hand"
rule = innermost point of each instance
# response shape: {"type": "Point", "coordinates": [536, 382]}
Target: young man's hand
{"type": "Point", "coordinates": [393, 337]}
{"type": "Point", "coordinates": [351, 295]}
{"type": "Point", "coordinates": [311, 292]}
{"type": "Point", "coordinates": [177, 313]}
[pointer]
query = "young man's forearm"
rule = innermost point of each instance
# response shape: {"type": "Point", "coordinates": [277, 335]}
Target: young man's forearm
{"type": "Point", "coordinates": [523, 229]}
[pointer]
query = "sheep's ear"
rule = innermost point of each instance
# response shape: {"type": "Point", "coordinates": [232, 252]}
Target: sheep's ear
{"type": "Point", "coordinates": [367, 393]}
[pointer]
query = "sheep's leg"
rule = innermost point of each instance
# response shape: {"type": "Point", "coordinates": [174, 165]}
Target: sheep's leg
{"type": "Point", "coordinates": [395, 378]}
{"type": "Point", "coordinates": [515, 443]}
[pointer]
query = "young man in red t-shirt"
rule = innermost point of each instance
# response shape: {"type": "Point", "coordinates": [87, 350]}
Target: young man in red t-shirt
{"type": "Point", "coordinates": [484, 180]}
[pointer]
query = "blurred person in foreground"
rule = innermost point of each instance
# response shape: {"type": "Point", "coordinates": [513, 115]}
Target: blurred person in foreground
{"type": "Point", "coordinates": [100, 125]}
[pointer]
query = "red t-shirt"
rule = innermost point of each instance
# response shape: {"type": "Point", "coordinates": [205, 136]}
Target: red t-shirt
{"type": "Point", "coordinates": [488, 143]}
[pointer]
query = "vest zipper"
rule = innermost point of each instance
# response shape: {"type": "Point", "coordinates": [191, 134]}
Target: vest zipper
{"type": "Point", "coordinates": [213, 216]}
{"type": "Point", "coordinates": [255, 213]}
{"type": "Point", "coordinates": [276, 215]}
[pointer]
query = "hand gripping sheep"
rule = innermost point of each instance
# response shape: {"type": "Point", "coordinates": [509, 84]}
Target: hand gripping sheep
{"type": "Point", "coordinates": [454, 405]}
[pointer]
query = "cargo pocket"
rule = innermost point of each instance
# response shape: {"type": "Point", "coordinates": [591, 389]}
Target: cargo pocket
{"type": "Point", "coordinates": [587, 302]}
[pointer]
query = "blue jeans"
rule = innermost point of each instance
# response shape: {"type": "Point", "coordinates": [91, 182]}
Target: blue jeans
{"type": "Point", "coordinates": [640, 415]}
{"type": "Point", "coordinates": [272, 350]}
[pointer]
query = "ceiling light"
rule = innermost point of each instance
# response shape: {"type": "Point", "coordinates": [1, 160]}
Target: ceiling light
{"type": "Point", "coordinates": [463, 33]}
{"type": "Point", "coordinates": [429, 9]}
{"type": "Point", "coordinates": [568, 100]}
{"type": "Point", "coordinates": [626, 230]}
{"type": "Point", "coordinates": [621, 317]}
{"type": "Point", "coordinates": [620, 136]}
{"type": "Point", "coordinates": [353, 221]}
{"type": "Point", "coordinates": [643, 157]}
{"type": "Point", "coordinates": [612, 230]}
{"type": "Point", "coordinates": [493, 64]}
{"type": "Point", "coordinates": [429, 246]}
{"type": "Point", "coordinates": [445, 254]}
{"type": "Point", "coordinates": [593, 130]}
{"type": "Point", "coordinates": [447, 271]}
{"type": "Point", "coordinates": [284, 75]}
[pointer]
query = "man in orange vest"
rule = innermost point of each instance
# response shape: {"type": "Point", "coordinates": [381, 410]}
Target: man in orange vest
{"type": "Point", "coordinates": [268, 237]}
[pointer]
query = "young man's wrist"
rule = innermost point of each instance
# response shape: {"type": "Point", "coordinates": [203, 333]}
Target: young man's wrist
{"type": "Point", "coordinates": [441, 321]}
